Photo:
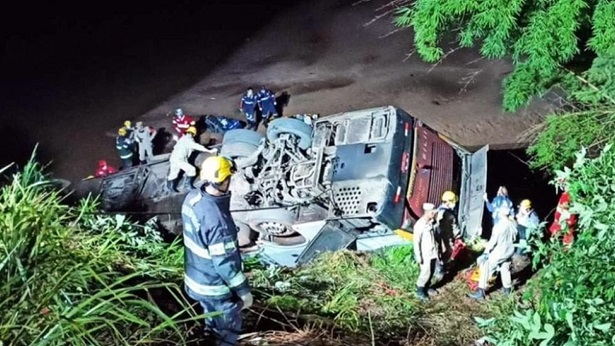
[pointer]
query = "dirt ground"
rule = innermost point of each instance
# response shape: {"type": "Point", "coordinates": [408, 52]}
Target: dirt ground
{"type": "Point", "coordinates": [321, 52]}
{"type": "Point", "coordinates": [330, 60]}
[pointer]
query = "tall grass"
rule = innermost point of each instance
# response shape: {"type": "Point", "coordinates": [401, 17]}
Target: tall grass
{"type": "Point", "coordinates": [69, 277]}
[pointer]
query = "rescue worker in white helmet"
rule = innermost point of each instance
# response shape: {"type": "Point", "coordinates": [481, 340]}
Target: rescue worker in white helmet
{"type": "Point", "coordinates": [426, 249]}
{"type": "Point", "coordinates": [125, 147]}
{"type": "Point", "coordinates": [212, 263]}
{"type": "Point", "coordinates": [179, 159]}
{"type": "Point", "coordinates": [144, 136]}
{"type": "Point", "coordinates": [447, 226]}
{"type": "Point", "coordinates": [498, 253]}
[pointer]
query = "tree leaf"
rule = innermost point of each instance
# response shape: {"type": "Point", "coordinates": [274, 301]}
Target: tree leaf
{"type": "Point", "coordinates": [603, 327]}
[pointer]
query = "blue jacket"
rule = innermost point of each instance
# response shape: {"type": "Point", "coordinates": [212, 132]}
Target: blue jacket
{"type": "Point", "coordinates": [266, 99]}
{"type": "Point", "coordinates": [248, 103]}
{"type": "Point", "coordinates": [124, 146]}
{"type": "Point", "coordinates": [212, 263]}
{"type": "Point", "coordinates": [497, 203]}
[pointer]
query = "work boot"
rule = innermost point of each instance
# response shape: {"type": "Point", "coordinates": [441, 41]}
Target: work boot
{"type": "Point", "coordinates": [171, 186]}
{"type": "Point", "coordinates": [420, 293]}
{"type": "Point", "coordinates": [478, 295]}
{"type": "Point", "coordinates": [189, 183]}
{"type": "Point", "coordinates": [506, 291]}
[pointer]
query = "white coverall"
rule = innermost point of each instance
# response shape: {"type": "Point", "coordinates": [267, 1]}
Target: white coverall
{"type": "Point", "coordinates": [425, 250]}
{"type": "Point", "coordinates": [180, 154]}
{"type": "Point", "coordinates": [499, 249]}
{"type": "Point", "coordinates": [144, 137]}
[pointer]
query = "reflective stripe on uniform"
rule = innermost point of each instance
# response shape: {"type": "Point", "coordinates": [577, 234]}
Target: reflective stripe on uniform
{"type": "Point", "coordinates": [219, 249]}
{"type": "Point", "coordinates": [237, 280]}
{"type": "Point", "coordinates": [196, 249]}
{"type": "Point", "coordinates": [189, 213]}
{"type": "Point", "coordinates": [206, 290]}
{"type": "Point", "coordinates": [127, 156]}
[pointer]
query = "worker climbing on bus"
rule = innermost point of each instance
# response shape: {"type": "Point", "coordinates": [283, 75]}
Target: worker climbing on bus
{"type": "Point", "coordinates": [212, 263]}
{"type": "Point", "coordinates": [527, 223]}
{"type": "Point", "coordinates": [248, 107]}
{"type": "Point", "coordinates": [448, 231]}
{"type": "Point", "coordinates": [144, 136]}
{"type": "Point", "coordinates": [124, 146]}
{"type": "Point", "coordinates": [179, 159]}
{"type": "Point", "coordinates": [104, 169]}
{"type": "Point", "coordinates": [498, 254]}
{"type": "Point", "coordinates": [500, 200]}
{"type": "Point", "coordinates": [267, 104]}
{"type": "Point", "coordinates": [181, 123]}
{"type": "Point", "coordinates": [426, 249]}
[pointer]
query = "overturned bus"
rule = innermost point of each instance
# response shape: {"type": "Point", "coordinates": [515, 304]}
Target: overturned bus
{"type": "Point", "coordinates": [347, 180]}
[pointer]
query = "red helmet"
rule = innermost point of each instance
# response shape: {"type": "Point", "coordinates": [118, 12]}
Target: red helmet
{"type": "Point", "coordinates": [102, 163]}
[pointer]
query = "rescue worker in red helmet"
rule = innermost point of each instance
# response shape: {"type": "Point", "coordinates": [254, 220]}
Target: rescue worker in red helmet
{"type": "Point", "coordinates": [104, 169]}
{"type": "Point", "coordinates": [213, 266]}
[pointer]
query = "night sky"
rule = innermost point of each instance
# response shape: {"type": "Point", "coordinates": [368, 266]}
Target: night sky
{"type": "Point", "coordinates": [62, 55]}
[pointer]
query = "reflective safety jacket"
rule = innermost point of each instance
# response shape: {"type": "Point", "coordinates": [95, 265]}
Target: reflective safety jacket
{"type": "Point", "coordinates": [124, 146]}
{"type": "Point", "coordinates": [448, 228]}
{"type": "Point", "coordinates": [184, 147]}
{"type": "Point", "coordinates": [248, 103]}
{"type": "Point", "coordinates": [212, 263]}
{"type": "Point", "coordinates": [266, 99]}
{"type": "Point", "coordinates": [181, 124]}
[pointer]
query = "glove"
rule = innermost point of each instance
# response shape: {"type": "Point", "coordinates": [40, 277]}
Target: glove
{"type": "Point", "coordinates": [247, 300]}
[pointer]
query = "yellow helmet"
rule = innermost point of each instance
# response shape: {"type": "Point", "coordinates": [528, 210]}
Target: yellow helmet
{"type": "Point", "coordinates": [191, 130]}
{"type": "Point", "coordinates": [122, 131]}
{"type": "Point", "coordinates": [215, 169]}
{"type": "Point", "coordinates": [526, 203]}
{"type": "Point", "coordinates": [449, 196]}
{"type": "Point", "coordinates": [127, 124]}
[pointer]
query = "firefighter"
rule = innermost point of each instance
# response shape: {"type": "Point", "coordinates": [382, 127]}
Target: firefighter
{"type": "Point", "coordinates": [266, 104]}
{"type": "Point", "coordinates": [125, 147]}
{"type": "Point", "coordinates": [527, 220]}
{"type": "Point", "coordinates": [564, 221]}
{"type": "Point", "coordinates": [248, 107]}
{"type": "Point", "coordinates": [500, 200]}
{"type": "Point", "coordinates": [181, 122]}
{"type": "Point", "coordinates": [144, 135]}
{"type": "Point", "coordinates": [498, 253]}
{"type": "Point", "coordinates": [448, 230]}
{"type": "Point", "coordinates": [104, 169]}
{"type": "Point", "coordinates": [179, 159]}
{"type": "Point", "coordinates": [426, 249]}
{"type": "Point", "coordinates": [129, 129]}
{"type": "Point", "coordinates": [213, 267]}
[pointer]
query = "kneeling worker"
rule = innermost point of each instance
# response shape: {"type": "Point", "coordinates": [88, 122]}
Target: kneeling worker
{"type": "Point", "coordinates": [213, 266]}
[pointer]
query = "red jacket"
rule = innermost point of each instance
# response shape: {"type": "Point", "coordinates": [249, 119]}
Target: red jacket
{"type": "Point", "coordinates": [104, 169]}
{"type": "Point", "coordinates": [563, 205]}
{"type": "Point", "coordinates": [180, 125]}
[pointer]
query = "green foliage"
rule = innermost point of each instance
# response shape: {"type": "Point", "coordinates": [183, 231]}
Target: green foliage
{"type": "Point", "coordinates": [70, 278]}
{"type": "Point", "coordinates": [574, 297]}
{"type": "Point", "coordinates": [541, 36]}
{"type": "Point", "coordinates": [347, 287]}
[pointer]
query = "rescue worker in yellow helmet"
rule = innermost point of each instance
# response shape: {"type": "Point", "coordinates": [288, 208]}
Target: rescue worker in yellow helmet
{"type": "Point", "coordinates": [447, 225]}
{"type": "Point", "coordinates": [125, 147]}
{"type": "Point", "coordinates": [130, 130]}
{"type": "Point", "coordinates": [527, 222]}
{"type": "Point", "coordinates": [179, 159]}
{"type": "Point", "coordinates": [212, 263]}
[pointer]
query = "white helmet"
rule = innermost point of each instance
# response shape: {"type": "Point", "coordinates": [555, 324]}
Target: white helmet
{"type": "Point", "coordinates": [179, 112]}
